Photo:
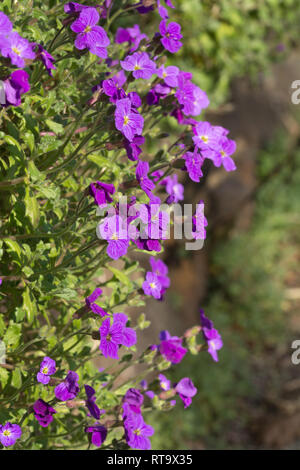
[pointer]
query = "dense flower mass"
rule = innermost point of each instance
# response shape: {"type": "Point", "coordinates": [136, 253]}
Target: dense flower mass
{"type": "Point", "coordinates": [82, 141]}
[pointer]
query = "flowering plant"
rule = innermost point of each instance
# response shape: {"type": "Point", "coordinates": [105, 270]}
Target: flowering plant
{"type": "Point", "coordinates": [83, 101]}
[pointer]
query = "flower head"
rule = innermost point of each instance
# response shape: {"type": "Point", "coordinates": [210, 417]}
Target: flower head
{"type": "Point", "coordinates": [139, 64]}
{"type": "Point", "coordinates": [128, 120]}
{"type": "Point", "coordinates": [152, 286]}
{"type": "Point", "coordinates": [171, 35]}
{"type": "Point", "coordinates": [68, 389]}
{"type": "Point", "coordinates": [102, 193]}
{"type": "Point", "coordinates": [186, 390]}
{"type": "Point", "coordinates": [47, 59]}
{"type": "Point", "coordinates": [169, 75]}
{"type": "Point", "coordinates": [5, 24]}
{"type": "Point", "coordinates": [47, 368]}
{"type": "Point", "coordinates": [211, 336]}
{"type": "Point", "coordinates": [134, 398]}
{"type": "Point", "coordinates": [91, 402]}
{"type": "Point", "coordinates": [171, 349]}
{"type": "Point", "coordinates": [98, 434]}
{"type": "Point", "coordinates": [89, 35]}
{"type": "Point", "coordinates": [137, 432]}
{"type": "Point", "coordinates": [16, 48]}
{"type": "Point", "coordinates": [43, 412]}
{"type": "Point", "coordinates": [13, 88]}
{"type": "Point", "coordinates": [9, 433]}
{"type": "Point", "coordinates": [165, 384]}
{"type": "Point", "coordinates": [115, 334]}
{"type": "Point", "coordinates": [90, 302]}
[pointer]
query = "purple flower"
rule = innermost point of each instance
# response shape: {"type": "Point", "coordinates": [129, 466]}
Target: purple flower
{"type": "Point", "coordinates": [135, 99]}
{"type": "Point", "coordinates": [5, 24]}
{"type": "Point", "coordinates": [134, 398]}
{"type": "Point", "coordinates": [171, 36]}
{"type": "Point", "coordinates": [90, 302]}
{"type": "Point", "coordinates": [160, 91]}
{"type": "Point", "coordinates": [173, 188]}
{"type": "Point", "coordinates": [69, 388]}
{"type": "Point", "coordinates": [152, 286]}
{"type": "Point", "coordinates": [116, 334]}
{"type": "Point", "coordinates": [165, 384]}
{"type": "Point", "coordinates": [72, 7]}
{"type": "Point", "coordinates": [91, 402]}
{"type": "Point", "coordinates": [206, 138]}
{"type": "Point", "coordinates": [172, 350]}
{"type": "Point", "coordinates": [133, 149]}
{"type": "Point", "coordinates": [211, 336]}
{"type": "Point", "coordinates": [16, 48]}
{"type": "Point", "coordinates": [43, 412]}
{"type": "Point", "coordinates": [127, 120]}
{"type": "Point", "coordinates": [47, 60]}
{"type": "Point", "coordinates": [160, 269]}
{"type": "Point", "coordinates": [89, 35]}
{"type": "Point", "coordinates": [199, 222]}
{"type": "Point", "coordinates": [186, 390]}
{"type": "Point", "coordinates": [114, 230]}
{"type": "Point", "coordinates": [113, 87]}
{"type": "Point", "coordinates": [223, 156]}
{"type": "Point", "coordinates": [193, 164]}
{"type": "Point", "coordinates": [98, 434]}
{"type": "Point", "coordinates": [137, 432]}
{"type": "Point", "coordinates": [9, 433]}
{"type": "Point", "coordinates": [140, 64]}
{"type": "Point", "coordinates": [13, 87]}
{"type": "Point", "coordinates": [47, 368]}
{"type": "Point", "coordinates": [141, 173]}
{"type": "Point", "coordinates": [169, 75]}
{"type": "Point", "coordinates": [132, 35]}
{"type": "Point", "coordinates": [102, 192]}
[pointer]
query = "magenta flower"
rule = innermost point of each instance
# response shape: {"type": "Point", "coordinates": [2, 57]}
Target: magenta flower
{"type": "Point", "coordinates": [43, 412]}
{"type": "Point", "coordinates": [223, 155]}
{"type": "Point", "coordinates": [171, 35]}
{"type": "Point", "coordinates": [152, 286]}
{"type": "Point", "coordinates": [9, 433]}
{"type": "Point", "coordinates": [132, 35]}
{"type": "Point", "coordinates": [161, 270]}
{"type": "Point", "coordinates": [171, 349]}
{"type": "Point", "coordinates": [5, 24]}
{"type": "Point", "coordinates": [98, 434]}
{"type": "Point", "coordinates": [186, 390]}
{"type": "Point", "coordinates": [133, 149]}
{"type": "Point", "coordinates": [91, 402]}
{"type": "Point", "coordinates": [165, 384]}
{"type": "Point", "coordinates": [169, 75]}
{"type": "Point", "coordinates": [141, 172]}
{"type": "Point", "coordinates": [140, 64]}
{"type": "Point", "coordinates": [14, 87]}
{"type": "Point", "coordinates": [206, 138]}
{"type": "Point", "coordinates": [199, 222]}
{"type": "Point", "coordinates": [173, 188]}
{"type": "Point", "coordinates": [90, 302]}
{"type": "Point", "coordinates": [102, 192]}
{"type": "Point", "coordinates": [112, 87]}
{"type": "Point", "coordinates": [137, 432]}
{"type": "Point", "coordinates": [68, 389]}
{"type": "Point", "coordinates": [47, 368]}
{"type": "Point", "coordinates": [134, 399]}
{"type": "Point", "coordinates": [127, 120]}
{"type": "Point", "coordinates": [16, 48]}
{"type": "Point", "coordinates": [193, 164]}
{"type": "Point", "coordinates": [114, 335]}
{"type": "Point", "coordinates": [114, 230]}
{"type": "Point", "coordinates": [47, 59]}
{"type": "Point", "coordinates": [211, 336]}
{"type": "Point", "coordinates": [72, 7]}
{"type": "Point", "coordinates": [89, 35]}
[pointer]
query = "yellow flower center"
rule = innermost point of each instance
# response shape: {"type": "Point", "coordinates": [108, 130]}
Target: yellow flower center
{"type": "Point", "coordinates": [137, 432]}
{"type": "Point", "coordinates": [6, 432]}
{"type": "Point", "coordinates": [45, 370]}
{"type": "Point", "coordinates": [114, 236]}
{"type": "Point", "coordinates": [126, 120]}
{"type": "Point", "coordinates": [204, 138]}
{"type": "Point", "coordinates": [16, 51]}
{"type": "Point", "coordinates": [137, 67]}
{"type": "Point", "coordinates": [223, 153]}
{"type": "Point", "coordinates": [165, 74]}
{"type": "Point", "coordinates": [152, 285]}
{"type": "Point", "coordinates": [88, 29]}
{"type": "Point", "coordinates": [108, 337]}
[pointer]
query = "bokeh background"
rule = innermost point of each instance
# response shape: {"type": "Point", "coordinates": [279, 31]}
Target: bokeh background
{"type": "Point", "coordinates": [245, 54]}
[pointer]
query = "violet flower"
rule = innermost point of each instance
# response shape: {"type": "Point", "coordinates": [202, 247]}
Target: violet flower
{"type": "Point", "coordinates": [141, 173]}
{"type": "Point", "coordinates": [165, 384]}
{"type": "Point", "coordinates": [98, 434]}
{"type": "Point", "coordinates": [169, 75]}
{"type": "Point", "coordinates": [89, 35]}
{"type": "Point", "coordinates": [137, 432]}
{"type": "Point", "coordinates": [91, 402]}
{"type": "Point", "coordinates": [117, 234]}
{"type": "Point", "coordinates": [171, 35]}
{"type": "Point", "coordinates": [211, 336]}
{"type": "Point", "coordinates": [161, 270]}
{"type": "Point", "coordinates": [102, 192]}
{"type": "Point", "coordinates": [152, 286]}
{"type": "Point", "coordinates": [127, 120]}
{"type": "Point", "coordinates": [47, 368]}
{"type": "Point", "coordinates": [131, 35]}
{"type": "Point", "coordinates": [116, 334]}
{"type": "Point", "coordinates": [5, 24]}
{"type": "Point", "coordinates": [193, 164]}
{"type": "Point", "coordinates": [16, 48]}
{"type": "Point", "coordinates": [47, 59]}
{"type": "Point", "coordinates": [186, 390]}
{"type": "Point", "coordinates": [172, 350]}
{"type": "Point", "coordinates": [133, 149]}
{"type": "Point", "coordinates": [90, 302]}
{"type": "Point", "coordinates": [134, 399]}
{"type": "Point", "coordinates": [9, 433]}
{"type": "Point", "coordinates": [139, 64]}
{"type": "Point", "coordinates": [43, 412]}
{"type": "Point", "coordinates": [68, 389]}
{"type": "Point", "coordinates": [13, 88]}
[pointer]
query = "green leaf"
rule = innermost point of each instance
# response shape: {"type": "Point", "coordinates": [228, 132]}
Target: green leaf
{"type": "Point", "coordinates": [121, 276]}
{"type": "Point", "coordinates": [29, 305]}
{"type": "Point", "coordinates": [16, 380]}
{"type": "Point", "coordinates": [32, 208]}
{"type": "Point", "coordinates": [4, 375]}
{"type": "Point", "coordinates": [55, 126]}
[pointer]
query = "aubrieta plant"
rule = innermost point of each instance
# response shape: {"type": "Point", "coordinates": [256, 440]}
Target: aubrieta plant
{"type": "Point", "coordinates": [84, 105]}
